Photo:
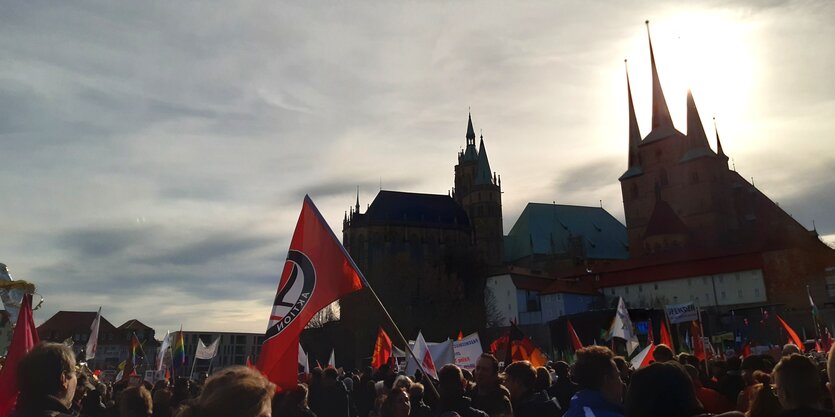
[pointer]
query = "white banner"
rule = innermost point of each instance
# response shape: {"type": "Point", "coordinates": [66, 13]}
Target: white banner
{"type": "Point", "coordinates": [467, 351]}
{"type": "Point", "coordinates": [681, 313]}
{"type": "Point", "coordinates": [93, 341]}
{"type": "Point", "coordinates": [206, 352]}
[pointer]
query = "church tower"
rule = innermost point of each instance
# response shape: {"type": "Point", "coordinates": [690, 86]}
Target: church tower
{"type": "Point", "coordinates": [676, 190]}
{"type": "Point", "coordinates": [478, 191]}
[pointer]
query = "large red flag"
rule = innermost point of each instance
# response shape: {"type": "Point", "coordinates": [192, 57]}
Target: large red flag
{"type": "Point", "coordinates": [24, 338]}
{"type": "Point", "coordinates": [792, 335]}
{"type": "Point", "coordinates": [572, 337]}
{"type": "Point", "coordinates": [382, 350]}
{"type": "Point", "coordinates": [317, 272]}
{"type": "Point", "coordinates": [698, 342]}
{"type": "Point", "coordinates": [666, 339]}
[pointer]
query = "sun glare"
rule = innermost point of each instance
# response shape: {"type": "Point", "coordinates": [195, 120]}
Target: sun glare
{"type": "Point", "coordinates": [709, 53]}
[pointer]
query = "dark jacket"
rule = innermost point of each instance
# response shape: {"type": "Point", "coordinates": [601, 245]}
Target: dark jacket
{"type": "Point", "coordinates": [806, 412]}
{"type": "Point", "coordinates": [536, 405]}
{"type": "Point", "coordinates": [420, 409]}
{"type": "Point", "coordinates": [48, 406]}
{"type": "Point", "coordinates": [494, 402]}
{"type": "Point", "coordinates": [331, 401]}
{"type": "Point", "coordinates": [563, 390]}
{"type": "Point", "coordinates": [462, 406]}
{"type": "Point", "coordinates": [588, 403]}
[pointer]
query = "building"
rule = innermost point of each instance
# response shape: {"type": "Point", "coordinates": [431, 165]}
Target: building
{"type": "Point", "coordinates": [113, 343]}
{"type": "Point", "coordinates": [233, 349]}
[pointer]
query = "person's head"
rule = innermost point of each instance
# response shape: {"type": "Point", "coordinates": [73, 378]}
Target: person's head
{"type": "Point", "coordinates": [329, 376]}
{"type": "Point", "coordinates": [790, 349]}
{"type": "Point", "coordinates": [693, 373]}
{"type": "Point", "coordinates": [623, 367]}
{"type": "Point", "coordinates": [396, 404]}
{"type": "Point", "coordinates": [162, 398]}
{"type": "Point", "coordinates": [752, 364]}
{"type": "Point", "coordinates": [763, 401]}
{"type": "Point", "coordinates": [662, 389]}
{"type": "Point", "coordinates": [663, 353]}
{"type": "Point", "coordinates": [402, 381]}
{"type": "Point", "coordinates": [48, 369]}
{"type": "Point", "coordinates": [543, 379]}
{"type": "Point", "coordinates": [487, 370]}
{"type": "Point", "coordinates": [82, 386]}
{"type": "Point", "coordinates": [236, 391]}
{"type": "Point", "coordinates": [797, 382]}
{"type": "Point", "coordinates": [416, 392]}
{"type": "Point", "coordinates": [135, 402]}
{"type": "Point", "coordinates": [561, 369]}
{"type": "Point", "coordinates": [450, 382]}
{"type": "Point", "coordinates": [520, 379]}
{"type": "Point", "coordinates": [295, 399]}
{"type": "Point", "coordinates": [595, 370]}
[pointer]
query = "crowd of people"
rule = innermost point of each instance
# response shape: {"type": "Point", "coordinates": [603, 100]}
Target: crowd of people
{"type": "Point", "coordinates": [597, 384]}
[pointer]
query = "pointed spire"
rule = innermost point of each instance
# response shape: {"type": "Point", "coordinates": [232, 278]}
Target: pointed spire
{"type": "Point", "coordinates": [358, 199]}
{"type": "Point", "coordinates": [483, 172]}
{"type": "Point", "coordinates": [660, 112]}
{"type": "Point", "coordinates": [719, 150]}
{"type": "Point", "coordinates": [634, 130]}
{"type": "Point", "coordinates": [470, 130]}
{"type": "Point", "coordinates": [696, 137]}
{"type": "Point", "coordinates": [470, 153]}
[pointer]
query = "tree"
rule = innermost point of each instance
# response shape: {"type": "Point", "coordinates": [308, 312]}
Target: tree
{"type": "Point", "coordinates": [324, 316]}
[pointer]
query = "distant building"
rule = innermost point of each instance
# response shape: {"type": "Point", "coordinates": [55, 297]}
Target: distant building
{"type": "Point", "coordinates": [234, 348]}
{"type": "Point", "coordinates": [113, 343]}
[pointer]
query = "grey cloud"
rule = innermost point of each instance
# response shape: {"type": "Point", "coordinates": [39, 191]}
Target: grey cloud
{"type": "Point", "coordinates": [591, 175]}
{"type": "Point", "coordinates": [211, 249]}
{"type": "Point", "coordinates": [102, 242]}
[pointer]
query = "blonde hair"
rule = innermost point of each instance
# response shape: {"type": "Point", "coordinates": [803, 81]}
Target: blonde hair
{"type": "Point", "coordinates": [236, 391]}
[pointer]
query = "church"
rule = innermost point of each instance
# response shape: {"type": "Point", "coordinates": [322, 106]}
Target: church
{"type": "Point", "coordinates": [695, 230]}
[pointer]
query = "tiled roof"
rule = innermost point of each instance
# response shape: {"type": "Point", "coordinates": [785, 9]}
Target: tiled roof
{"type": "Point", "coordinates": [553, 228]}
{"type": "Point", "coordinates": [414, 209]}
{"type": "Point", "coordinates": [664, 221]}
{"type": "Point", "coordinates": [67, 323]}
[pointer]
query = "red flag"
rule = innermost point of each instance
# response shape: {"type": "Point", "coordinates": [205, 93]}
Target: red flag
{"type": "Point", "coordinates": [24, 338]}
{"type": "Point", "coordinates": [317, 272]}
{"type": "Point", "coordinates": [650, 335]}
{"type": "Point", "coordinates": [746, 350]}
{"type": "Point", "coordinates": [665, 336]}
{"type": "Point", "coordinates": [167, 375]}
{"type": "Point", "coordinates": [792, 335]}
{"type": "Point", "coordinates": [460, 335]}
{"type": "Point", "coordinates": [698, 343]}
{"type": "Point", "coordinates": [572, 337]}
{"type": "Point", "coordinates": [382, 350]}
{"type": "Point", "coordinates": [818, 347]}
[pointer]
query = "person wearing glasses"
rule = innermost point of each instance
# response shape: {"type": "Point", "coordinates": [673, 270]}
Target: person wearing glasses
{"type": "Point", "coordinates": [47, 380]}
{"type": "Point", "coordinates": [798, 387]}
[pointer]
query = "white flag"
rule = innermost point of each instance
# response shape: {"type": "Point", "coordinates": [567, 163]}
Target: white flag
{"type": "Point", "coordinates": [206, 352]}
{"type": "Point", "coordinates": [643, 357]}
{"type": "Point", "coordinates": [422, 353]}
{"type": "Point", "coordinates": [303, 360]}
{"type": "Point", "coordinates": [93, 341]}
{"type": "Point", "coordinates": [166, 343]}
{"type": "Point", "coordinates": [622, 328]}
{"type": "Point", "coordinates": [332, 360]}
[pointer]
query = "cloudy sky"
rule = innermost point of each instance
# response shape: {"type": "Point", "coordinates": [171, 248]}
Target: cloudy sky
{"type": "Point", "coordinates": [153, 156]}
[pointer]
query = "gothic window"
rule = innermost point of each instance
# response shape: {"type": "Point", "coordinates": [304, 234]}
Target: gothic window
{"type": "Point", "coordinates": [663, 177]}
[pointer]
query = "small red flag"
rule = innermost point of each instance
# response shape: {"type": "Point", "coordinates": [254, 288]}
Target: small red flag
{"type": "Point", "coordinates": [746, 350]}
{"type": "Point", "coordinates": [793, 337]}
{"type": "Point", "coordinates": [665, 336]}
{"type": "Point", "coordinates": [460, 335]}
{"type": "Point", "coordinates": [572, 337]}
{"type": "Point", "coordinates": [698, 343]}
{"type": "Point", "coordinates": [25, 337]}
{"type": "Point", "coordinates": [317, 272]}
{"type": "Point", "coordinates": [382, 350]}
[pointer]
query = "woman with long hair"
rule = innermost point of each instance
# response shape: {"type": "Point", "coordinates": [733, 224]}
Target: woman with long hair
{"type": "Point", "coordinates": [764, 402]}
{"type": "Point", "coordinates": [236, 391]}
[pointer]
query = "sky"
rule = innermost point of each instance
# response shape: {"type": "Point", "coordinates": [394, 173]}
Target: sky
{"type": "Point", "coordinates": [154, 155]}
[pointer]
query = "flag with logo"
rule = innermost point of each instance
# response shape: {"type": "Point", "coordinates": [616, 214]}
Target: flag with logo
{"type": "Point", "coordinates": [382, 349]}
{"type": "Point", "coordinates": [622, 327]}
{"type": "Point", "coordinates": [317, 272]}
{"type": "Point", "coordinates": [24, 338]}
{"type": "Point", "coordinates": [93, 341]}
{"type": "Point", "coordinates": [422, 353]}
{"type": "Point", "coordinates": [206, 352]}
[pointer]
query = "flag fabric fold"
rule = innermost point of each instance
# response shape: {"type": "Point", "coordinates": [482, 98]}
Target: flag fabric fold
{"type": "Point", "coordinates": [572, 337]}
{"type": "Point", "coordinates": [382, 349]}
{"type": "Point", "coordinates": [24, 338]}
{"type": "Point", "coordinates": [622, 327]}
{"type": "Point", "coordinates": [792, 334]}
{"type": "Point", "coordinates": [332, 359]}
{"type": "Point", "coordinates": [163, 349]}
{"type": "Point", "coordinates": [178, 356]}
{"type": "Point", "coordinates": [317, 272]}
{"type": "Point", "coordinates": [666, 339]}
{"type": "Point", "coordinates": [93, 341]}
{"type": "Point", "coordinates": [422, 353]}
{"type": "Point", "coordinates": [644, 357]}
{"type": "Point", "coordinates": [137, 354]}
{"type": "Point", "coordinates": [206, 352]}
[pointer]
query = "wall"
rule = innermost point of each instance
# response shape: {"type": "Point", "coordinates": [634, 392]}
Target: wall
{"type": "Point", "coordinates": [726, 289]}
{"type": "Point", "coordinates": [505, 298]}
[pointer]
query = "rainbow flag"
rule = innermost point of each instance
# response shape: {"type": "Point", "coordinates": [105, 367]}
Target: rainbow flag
{"type": "Point", "coordinates": [178, 356]}
{"type": "Point", "coordinates": [137, 355]}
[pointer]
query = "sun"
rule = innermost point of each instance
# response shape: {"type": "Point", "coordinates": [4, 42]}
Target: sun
{"type": "Point", "coordinates": [710, 53]}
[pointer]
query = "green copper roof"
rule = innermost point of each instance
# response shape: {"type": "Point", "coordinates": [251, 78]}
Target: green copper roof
{"type": "Point", "coordinates": [546, 229]}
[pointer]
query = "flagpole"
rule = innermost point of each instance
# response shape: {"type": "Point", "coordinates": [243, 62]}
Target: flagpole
{"type": "Point", "coordinates": [400, 335]}
{"type": "Point", "coordinates": [194, 362]}
{"type": "Point", "coordinates": [814, 317]}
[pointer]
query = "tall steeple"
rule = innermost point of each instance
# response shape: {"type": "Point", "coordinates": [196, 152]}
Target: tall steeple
{"type": "Point", "coordinates": [660, 112]}
{"type": "Point", "coordinates": [358, 200]}
{"type": "Point", "coordinates": [483, 174]}
{"type": "Point", "coordinates": [470, 153]}
{"type": "Point", "coordinates": [696, 143]}
{"type": "Point", "coordinates": [634, 130]}
{"type": "Point", "coordinates": [719, 150]}
{"type": "Point", "coordinates": [634, 167]}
